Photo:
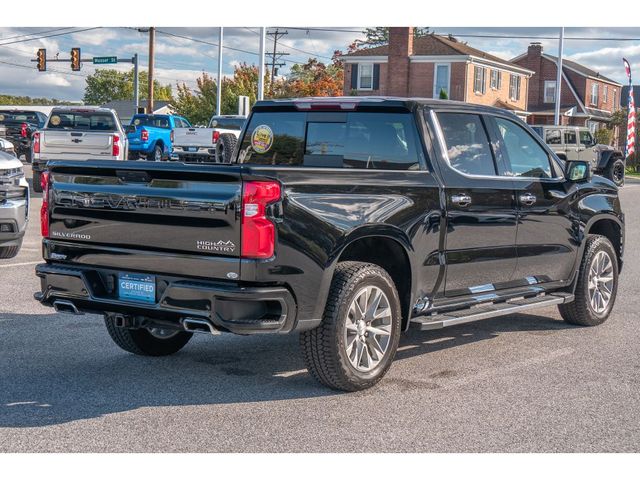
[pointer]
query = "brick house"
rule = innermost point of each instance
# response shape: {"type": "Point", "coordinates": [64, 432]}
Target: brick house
{"type": "Point", "coordinates": [587, 97]}
{"type": "Point", "coordinates": [425, 66]}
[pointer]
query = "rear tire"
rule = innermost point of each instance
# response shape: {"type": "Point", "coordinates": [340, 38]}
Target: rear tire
{"type": "Point", "coordinates": [225, 147]}
{"type": "Point", "coordinates": [594, 296]}
{"type": "Point", "coordinates": [142, 341]}
{"type": "Point", "coordinates": [156, 154]}
{"type": "Point", "coordinates": [344, 352]}
{"type": "Point", "coordinates": [615, 171]}
{"type": "Point", "coordinates": [28, 156]}
{"type": "Point", "coordinates": [10, 252]}
{"type": "Point", "coordinates": [37, 187]}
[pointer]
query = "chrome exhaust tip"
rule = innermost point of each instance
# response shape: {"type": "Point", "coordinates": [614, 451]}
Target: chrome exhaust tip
{"type": "Point", "coordinates": [65, 306]}
{"type": "Point", "coordinates": [199, 325]}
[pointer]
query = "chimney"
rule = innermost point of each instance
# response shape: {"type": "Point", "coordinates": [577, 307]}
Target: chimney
{"type": "Point", "coordinates": [535, 49]}
{"type": "Point", "coordinates": [400, 48]}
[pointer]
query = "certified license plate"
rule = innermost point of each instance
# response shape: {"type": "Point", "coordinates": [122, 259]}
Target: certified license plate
{"type": "Point", "coordinates": [139, 288]}
{"type": "Point", "coordinates": [192, 149]}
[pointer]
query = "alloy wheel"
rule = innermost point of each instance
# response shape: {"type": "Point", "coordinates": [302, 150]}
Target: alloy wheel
{"type": "Point", "coordinates": [600, 284]}
{"type": "Point", "coordinates": [368, 328]}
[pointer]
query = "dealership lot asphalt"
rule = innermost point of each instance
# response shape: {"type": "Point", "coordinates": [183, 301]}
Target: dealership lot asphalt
{"type": "Point", "coordinates": [511, 384]}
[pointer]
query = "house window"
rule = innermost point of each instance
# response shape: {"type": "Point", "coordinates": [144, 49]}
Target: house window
{"type": "Point", "coordinates": [365, 76]}
{"type": "Point", "coordinates": [514, 87]}
{"type": "Point", "coordinates": [495, 82]}
{"type": "Point", "coordinates": [441, 79]}
{"type": "Point", "coordinates": [549, 91]}
{"type": "Point", "coordinates": [479, 75]}
{"type": "Point", "coordinates": [615, 100]}
{"type": "Point", "coordinates": [594, 94]}
{"type": "Point", "coordinates": [605, 93]}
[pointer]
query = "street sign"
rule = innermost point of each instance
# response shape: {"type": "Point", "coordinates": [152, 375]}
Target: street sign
{"type": "Point", "coordinates": [104, 60]}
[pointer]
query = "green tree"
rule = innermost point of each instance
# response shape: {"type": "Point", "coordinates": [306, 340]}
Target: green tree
{"type": "Point", "coordinates": [376, 36]}
{"type": "Point", "coordinates": [197, 106]}
{"type": "Point", "coordinates": [106, 85]}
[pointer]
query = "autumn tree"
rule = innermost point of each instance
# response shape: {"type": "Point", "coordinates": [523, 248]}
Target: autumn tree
{"type": "Point", "coordinates": [312, 79]}
{"type": "Point", "coordinates": [377, 36]}
{"type": "Point", "coordinates": [106, 85]}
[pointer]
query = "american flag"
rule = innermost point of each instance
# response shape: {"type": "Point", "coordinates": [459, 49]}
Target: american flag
{"type": "Point", "coordinates": [631, 118]}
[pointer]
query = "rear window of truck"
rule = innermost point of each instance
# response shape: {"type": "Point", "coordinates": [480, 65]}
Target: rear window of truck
{"type": "Point", "coordinates": [18, 117]}
{"type": "Point", "coordinates": [227, 123]}
{"type": "Point", "coordinates": [370, 140]}
{"type": "Point", "coordinates": [91, 121]}
{"type": "Point", "coordinates": [151, 121]}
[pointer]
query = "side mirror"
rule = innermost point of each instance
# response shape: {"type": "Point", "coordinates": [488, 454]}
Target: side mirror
{"type": "Point", "coordinates": [577, 171]}
{"type": "Point", "coordinates": [130, 129]}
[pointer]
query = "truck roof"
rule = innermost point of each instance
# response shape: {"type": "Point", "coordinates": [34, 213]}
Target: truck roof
{"type": "Point", "coordinates": [354, 102]}
{"type": "Point", "coordinates": [82, 109]}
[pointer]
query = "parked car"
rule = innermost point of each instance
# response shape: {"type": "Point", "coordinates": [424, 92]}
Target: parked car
{"type": "Point", "coordinates": [577, 143]}
{"type": "Point", "coordinates": [78, 133]}
{"type": "Point", "coordinates": [18, 126]}
{"type": "Point", "coordinates": [150, 136]}
{"type": "Point", "coordinates": [14, 205]}
{"type": "Point", "coordinates": [348, 220]}
{"type": "Point", "coordinates": [7, 147]}
{"type": "Point", "coordinates": [212, 144]}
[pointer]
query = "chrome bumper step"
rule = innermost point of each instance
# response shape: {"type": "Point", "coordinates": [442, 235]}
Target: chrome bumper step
{"type": "Point", "coordinates": [441, 320]}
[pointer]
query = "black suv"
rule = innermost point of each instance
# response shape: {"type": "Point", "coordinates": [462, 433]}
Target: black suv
{"type": "Point", "coordinates": [348, 220]}
{"type": "Point", "coordinates": [18, 126]}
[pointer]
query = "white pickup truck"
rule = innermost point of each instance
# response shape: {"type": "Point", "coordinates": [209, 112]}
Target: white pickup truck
{"type": "Point", "coordinates": [14, 205]}
{"type": "Point", "coordinates": [78, 133]}
{"type": "Point", "coordinates": [213, 144]}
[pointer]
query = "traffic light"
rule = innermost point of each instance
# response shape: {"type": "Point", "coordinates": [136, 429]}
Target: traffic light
{"type": "Point", "coordinates": [42, 60]}
{"type": "Point", "coordinates": [75, 59]}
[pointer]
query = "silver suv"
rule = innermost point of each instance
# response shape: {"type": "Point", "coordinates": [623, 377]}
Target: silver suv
{"type": "Point", "coordinates": [14, 205]}
{"type": "Point", "coordinates": [577, 143]}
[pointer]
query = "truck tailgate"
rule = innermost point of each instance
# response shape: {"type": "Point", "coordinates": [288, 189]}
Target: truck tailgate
{"type": "Point", "coordinates": [193, 137]}
{"type": "Point", "coordinates": [59, 144]}
{"type": "Point", "coordinates": [175, 208]}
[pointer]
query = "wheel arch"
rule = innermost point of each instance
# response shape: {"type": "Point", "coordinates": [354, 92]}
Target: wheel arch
{"type": "Point", "coordinates": [388, 247]}
{"type": "Point", "coordinates": [610, 227]}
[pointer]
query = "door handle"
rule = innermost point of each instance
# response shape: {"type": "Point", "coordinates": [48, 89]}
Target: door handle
{"type": "Point", "coordinates": [462, 200]}
{"type": "Point", "coordinates": [527, 199]}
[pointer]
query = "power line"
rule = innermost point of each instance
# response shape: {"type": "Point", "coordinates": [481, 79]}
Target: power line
{"type": "Point", "coordinates": [49, 36]}
{"type": "Point", "coordinates": [35, 33]}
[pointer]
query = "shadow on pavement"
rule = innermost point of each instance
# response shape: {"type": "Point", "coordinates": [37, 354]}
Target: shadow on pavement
{"type": "Point", "coordinates": [59, 368]}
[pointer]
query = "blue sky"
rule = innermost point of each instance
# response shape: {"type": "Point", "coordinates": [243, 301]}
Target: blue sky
{"type": "Point", "coordinates": [183, 60]}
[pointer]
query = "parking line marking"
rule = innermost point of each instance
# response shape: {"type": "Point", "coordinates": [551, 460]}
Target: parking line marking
{"type": "Point", "coordinates": [20, 264]}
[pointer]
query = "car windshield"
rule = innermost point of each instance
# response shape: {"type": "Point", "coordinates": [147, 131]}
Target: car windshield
{"type": "Point", "coordinates": [12, 116]}
{"type": "Point", "coordinates": [91, 121]}
{"type": "Point", "coordinates": [227, 123]}
{"type": "Point", "coordinates": [151, 121]}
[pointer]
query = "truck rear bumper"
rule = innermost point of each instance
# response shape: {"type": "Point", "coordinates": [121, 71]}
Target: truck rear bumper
{"type": "Point", "coordinates": [230, 307]}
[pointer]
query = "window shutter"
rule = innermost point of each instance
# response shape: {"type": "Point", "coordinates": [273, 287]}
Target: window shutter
{"type": "Point", "coordinates": [376, 76]}
{"type": "Point", "coordinates": [354, 76]}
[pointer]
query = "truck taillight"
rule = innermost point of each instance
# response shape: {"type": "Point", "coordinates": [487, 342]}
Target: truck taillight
{"type": "Point", "coordinates": [258, 232]}
{"type": "Point", "coordinates": [23, 130]}
{"type": "Point", "coordinates": [115, 151]}
{"type": "Point", "coordinates": [144, 135]}
{"type": "Point", "coordinates": [215, 136]}
{"type": "Point", "coordinates": [44, 210]}
{"type": "Point", "coordinates": [36, 142]}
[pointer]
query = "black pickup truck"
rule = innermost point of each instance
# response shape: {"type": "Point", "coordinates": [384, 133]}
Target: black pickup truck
{"type": "Point", "coordinates": [18, 126]}
{"type": "Point", "coordinates": [348, 220]}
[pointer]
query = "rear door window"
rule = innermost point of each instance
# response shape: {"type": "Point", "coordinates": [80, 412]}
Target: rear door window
{"type": "Point", "coordinates": [570, 137]}
{"type": "Point", "coordinates": [467, 143]}
{"type": "Point", "coordinates": [370, 140]}
{"type": "Point", "coordinates": [89, 121]}
{"type": "Point", "coordinates": [553, 137]}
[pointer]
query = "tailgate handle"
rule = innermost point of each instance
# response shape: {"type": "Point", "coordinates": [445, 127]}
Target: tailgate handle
{"type": "Point", "coordinates": [76, 134]}
{"type": "Point", "coordinates": [132, 176]}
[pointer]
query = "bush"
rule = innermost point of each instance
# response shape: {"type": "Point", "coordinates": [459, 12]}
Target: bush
{"type": "Point", "coordinates": [604, 136]}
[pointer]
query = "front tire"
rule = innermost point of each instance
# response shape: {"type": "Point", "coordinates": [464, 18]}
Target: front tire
{"type": "Point", "coordinates": [147, 342]}
{"type": "Point", "coordinates": [356, 342]}
{"type": "Point", "coordinates": [597, 285]}
{"type": "Point", "coordinates": [615, 172]}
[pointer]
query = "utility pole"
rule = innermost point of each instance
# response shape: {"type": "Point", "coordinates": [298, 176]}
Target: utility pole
{"type": "Point", "coordinates": [136, 86]}
{"type": "Point", "coordinates": [275, 55]}
{"type": "Point", "coordinates": [556, 118]}
{"type": "Point", "coordinates": [263, 41]}
{"type": "Point", "coordinates": [152, 41]}
{"type": "Point", "coordinates": [219, 90]}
